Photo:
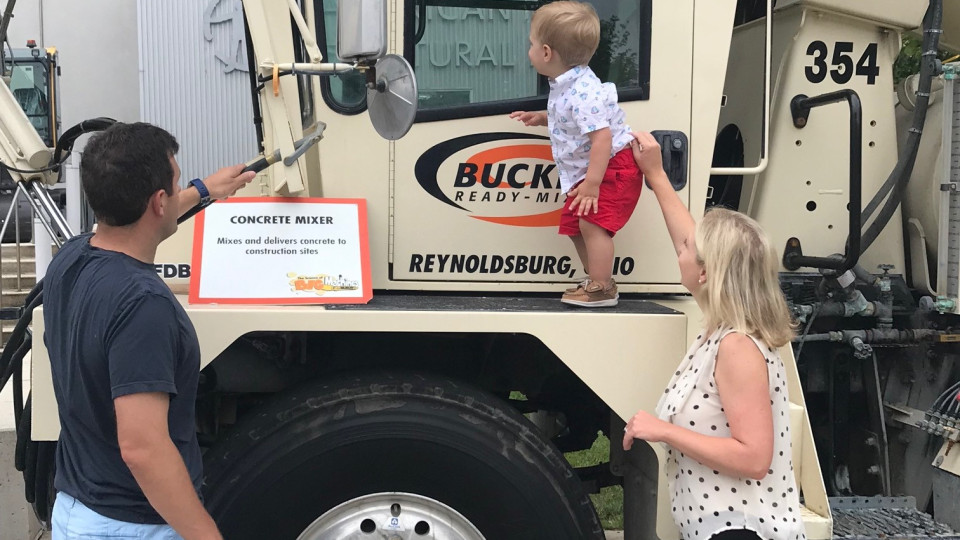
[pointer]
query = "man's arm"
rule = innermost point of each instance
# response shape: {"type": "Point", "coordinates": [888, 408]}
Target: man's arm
{"type": "Point", "coordinates": [157, 466]}
{"type": "Point", "coordinates": [221, 184]}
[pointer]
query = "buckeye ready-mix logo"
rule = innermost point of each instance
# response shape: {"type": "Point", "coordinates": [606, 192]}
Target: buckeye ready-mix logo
{"type": "Point", "coordinates": [504, 178]}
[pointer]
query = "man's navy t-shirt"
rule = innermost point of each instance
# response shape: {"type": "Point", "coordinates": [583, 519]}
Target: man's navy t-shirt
{"type": "Point", "coordinates": [113, 328]}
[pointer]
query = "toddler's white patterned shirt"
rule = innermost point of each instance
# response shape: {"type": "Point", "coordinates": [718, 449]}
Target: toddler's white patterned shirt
{"type": "Point", "coordinates": [580, 103]}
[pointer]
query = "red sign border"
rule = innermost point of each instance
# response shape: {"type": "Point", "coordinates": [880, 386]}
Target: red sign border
{"type": "Point", "coordinates": [197, 256]}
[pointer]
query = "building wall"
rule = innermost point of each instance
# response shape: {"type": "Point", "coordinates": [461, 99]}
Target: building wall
{"type": "Point", "coordinates": [97, 42]}
{"type": "Point", "coordinates": [151, 61]}
{"type": "Point", "coordinates": [194, 80]}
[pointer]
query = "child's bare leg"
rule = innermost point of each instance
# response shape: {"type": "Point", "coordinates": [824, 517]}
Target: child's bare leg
{"type": "Point", "coordinates": [581, 251]}
{"type": "Point", "coordinates": [599, 248]}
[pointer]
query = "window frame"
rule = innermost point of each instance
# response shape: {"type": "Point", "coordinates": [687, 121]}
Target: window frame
{"type": "Point", "coordinates": [326, 90]}
{"type": "Point", "coordinates": [491, 108]}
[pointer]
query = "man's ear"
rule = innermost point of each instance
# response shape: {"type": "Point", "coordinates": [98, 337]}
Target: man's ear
{"type": "Point", "coordinates": [159, 203]}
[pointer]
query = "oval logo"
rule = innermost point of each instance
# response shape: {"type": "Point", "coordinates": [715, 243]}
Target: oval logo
{"type": "Point", "coordinates": [504, 178]}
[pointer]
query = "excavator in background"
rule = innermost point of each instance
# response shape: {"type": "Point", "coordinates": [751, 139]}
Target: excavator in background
{"type": "Point", "coordinates": [443, 407]}
{"type": "Point", "coordinates": [32, 75]}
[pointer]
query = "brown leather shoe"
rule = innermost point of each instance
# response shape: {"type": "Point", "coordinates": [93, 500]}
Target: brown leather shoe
{"type": "Point", "coordinates": [593, 294]}
{"type": "Point", "coordinates": [583, 283]}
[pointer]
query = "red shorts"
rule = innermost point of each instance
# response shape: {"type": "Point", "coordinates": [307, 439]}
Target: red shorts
{"type": "Point", "coordinates": [619, 193]}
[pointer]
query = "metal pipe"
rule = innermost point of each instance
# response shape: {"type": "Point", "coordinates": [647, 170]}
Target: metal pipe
{"type": "Point", "coordinates": [36, 208]}
{"type": "Point", "coordinates": [311, 69]}
{"type": "Point", "coordinates": [53, 211]}
{"type": "Point", "coordinates": [16, 231]}
{"type": "Point", "coordinates": [309, 41]}
{"type": "Point", "coordinates": [4, 24]}
{"type": "Point", "coordinates": [884, 446]}
{"type": "Point", "coordinates": [873, 336]}
{"type": "Point", "coordinates": [765, 145]}
{"type": "Point", "coordinates": [948, 246]}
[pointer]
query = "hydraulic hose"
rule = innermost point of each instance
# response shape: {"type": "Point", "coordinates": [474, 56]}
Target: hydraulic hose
{"type": "Point", "coordinates": [896, 183]}
{"type": "Point", "coordinates": [37, 289]}
{"type": "Point", "coordinates": [943, 400]}
{"type": "Point", "coordinates": [12, 351]}
{"type": "Point", "coordinates": [70, 136]}
{"type": "Point", "coordinates": [17, 374]}
{"type": "Point", "coordinates": [23, 437]}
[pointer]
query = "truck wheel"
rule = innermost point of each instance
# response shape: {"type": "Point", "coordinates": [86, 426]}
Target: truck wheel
{"type": "Point", "coordinates": [404, 456]}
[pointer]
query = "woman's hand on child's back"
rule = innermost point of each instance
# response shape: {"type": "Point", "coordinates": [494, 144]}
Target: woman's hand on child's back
{"type": "Point", "coordinates": [530, 119]}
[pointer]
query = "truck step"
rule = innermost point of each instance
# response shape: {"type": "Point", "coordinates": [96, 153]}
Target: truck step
{"type": "Point", "coordinates": [886, 518]}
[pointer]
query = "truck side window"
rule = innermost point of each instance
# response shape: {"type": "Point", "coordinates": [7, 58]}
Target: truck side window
{"type": "Point", "coordinates": [472, 61]}
{"type": "Point", "coordinates": [345, 93]}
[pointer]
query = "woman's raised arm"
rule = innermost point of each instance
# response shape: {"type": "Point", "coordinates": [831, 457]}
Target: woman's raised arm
{"type": "Point", "coordinates": [680, 224]}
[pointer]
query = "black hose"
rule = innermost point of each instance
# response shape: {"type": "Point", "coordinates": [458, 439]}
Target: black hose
{"type": "Point", "coordinates": [22, 347]}
{"type": "Point", "coordinates": [16, 338]}
{"type": "Point", "coordinates": [896, 183]}
{"type": "Point", "coordinates": [70, 136]}
{"type": "Point", "coordinates": [18, 386]}
{"type": "Point", "coordinates": [30, 470]}
{"type": "Point", "coordinates": [255, 93]}
{"type": "Point", "coordinates": [23, 437]}
{"type": "Point", "coordinates": [45, 465]}
{"type": "Point", "coordinates": [37, 289]}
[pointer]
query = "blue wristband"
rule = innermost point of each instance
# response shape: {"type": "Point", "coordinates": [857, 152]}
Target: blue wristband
{"type": "Point", "coordinates": [202, 189]}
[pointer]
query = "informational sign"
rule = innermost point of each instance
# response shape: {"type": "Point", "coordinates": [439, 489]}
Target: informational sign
{"type": "Point", "coordinates": [271, 250]}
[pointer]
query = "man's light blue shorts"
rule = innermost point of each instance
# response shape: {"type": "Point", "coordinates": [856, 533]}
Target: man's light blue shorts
{"type": "Point", "coordinates": [74, 521]}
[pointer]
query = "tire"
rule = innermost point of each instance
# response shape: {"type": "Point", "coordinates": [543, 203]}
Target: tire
{"type": "Point", "coordinates": [324, 445]}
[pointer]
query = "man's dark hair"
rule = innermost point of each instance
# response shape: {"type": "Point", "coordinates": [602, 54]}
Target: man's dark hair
{"type": "Point", "coordinates": [123, 166]}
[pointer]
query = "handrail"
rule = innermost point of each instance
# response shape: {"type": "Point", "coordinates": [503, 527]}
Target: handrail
{"type": "Point", "coordinates": [800, 105]}
{"type": "Point", "coordinates": [765, 145]}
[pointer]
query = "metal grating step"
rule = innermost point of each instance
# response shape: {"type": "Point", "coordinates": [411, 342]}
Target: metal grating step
{"type": "Point", "coordinates": [885, 518]}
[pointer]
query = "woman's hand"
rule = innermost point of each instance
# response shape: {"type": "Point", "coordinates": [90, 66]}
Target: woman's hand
{"type": "Point", "coordinates": [644, 426]}
{"type": "Point", "coordinates": [680, 224]}
{"type": "Point", "coordinates": [646, 152]}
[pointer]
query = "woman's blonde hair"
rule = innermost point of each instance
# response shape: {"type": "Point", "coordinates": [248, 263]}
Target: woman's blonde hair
{"type": "Point", "coordinates": [572, 29]}
{"type": "Point", "coordinates": [742, 289]}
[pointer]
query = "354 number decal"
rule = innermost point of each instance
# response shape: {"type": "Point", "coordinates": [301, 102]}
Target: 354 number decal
{"type": "Point", "coordinates": [841, 68]}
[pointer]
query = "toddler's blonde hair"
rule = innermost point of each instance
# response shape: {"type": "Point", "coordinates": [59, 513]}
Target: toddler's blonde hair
{"type": "Point", "coordinates": [572, 29]}
{"type": "Point", "coordinates": [742, 289]}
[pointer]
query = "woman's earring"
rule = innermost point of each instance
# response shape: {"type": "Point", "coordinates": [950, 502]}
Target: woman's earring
{"type": "Point", "coordinates": [701, 280]}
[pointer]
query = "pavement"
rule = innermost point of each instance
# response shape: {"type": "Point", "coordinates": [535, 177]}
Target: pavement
{"type": "Point", "coordinates": [16, 517]}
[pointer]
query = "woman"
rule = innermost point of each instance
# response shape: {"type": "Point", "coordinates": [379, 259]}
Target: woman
{"type": "Point", "coordinates": [725, 414]}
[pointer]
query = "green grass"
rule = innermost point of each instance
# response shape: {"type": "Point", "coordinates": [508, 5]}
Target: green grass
{"type": "Point", "coordinates": [609, 502]}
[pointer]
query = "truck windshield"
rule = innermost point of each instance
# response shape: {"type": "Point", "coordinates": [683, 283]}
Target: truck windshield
{"type": "Point", "coordinates": [29, 84]}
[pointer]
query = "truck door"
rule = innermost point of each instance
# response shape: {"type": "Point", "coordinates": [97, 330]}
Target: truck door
{"type": "Point", "coordinates": [476, 194]}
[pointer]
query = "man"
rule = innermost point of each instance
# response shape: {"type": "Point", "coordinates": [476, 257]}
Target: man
{"type": "Point", "coordinates": [125, 357]}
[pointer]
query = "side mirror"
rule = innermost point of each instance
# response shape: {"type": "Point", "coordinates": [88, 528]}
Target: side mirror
{"type": "Point", "coordinates": [361, 30]}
